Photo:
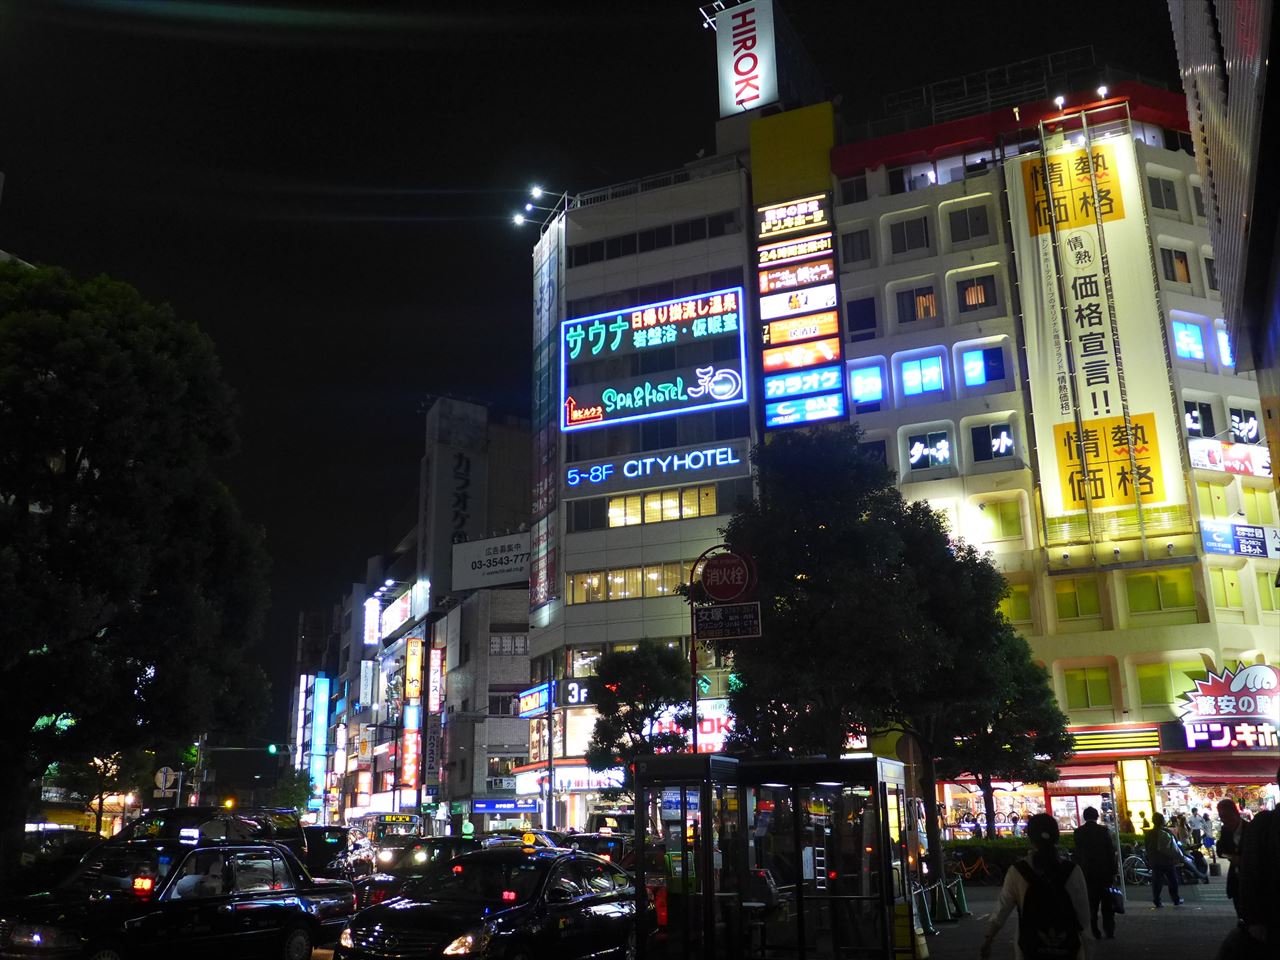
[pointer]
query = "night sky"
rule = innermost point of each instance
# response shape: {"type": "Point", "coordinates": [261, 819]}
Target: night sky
{"type": "Point", "coordinates": [327, 190]}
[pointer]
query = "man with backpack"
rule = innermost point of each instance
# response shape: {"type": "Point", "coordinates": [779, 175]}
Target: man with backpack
{"type": "Point", "coordinates": [1050, 896]}
{"type": "Point", "coordinates": [1096, 854]}
{"type": "Point", "coordinates": [1163, 860]}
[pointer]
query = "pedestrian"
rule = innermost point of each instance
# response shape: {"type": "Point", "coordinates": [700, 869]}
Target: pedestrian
{"type": "Point", "coordinates": [1096, 855]}
{"type": "Point", "coordinates": [1163, 860]}
{"type": "Point", "coordinates": [1145, 824]}
{"type": "Point", "coordinates": [1198, 825]}
{"type": "Point", "coordinates": [1230, 846]}
{"type": "Point", "coordinates": [1126, 822]}
{"type": "Point", "coordinates": [1050, 896]}
{"type": "Point", "coordinates": [1260, 878]}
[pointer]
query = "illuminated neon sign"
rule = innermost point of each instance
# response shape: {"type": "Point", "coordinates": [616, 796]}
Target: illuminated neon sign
{"type": "Point", "coordinates": [659, 468]}
{"type": "Point", "coordinates": [802, 328]}
{"type": "Point", "coordinates": [790, 303]}
{"type": "Point", "coordinates": [806, 214]}
{"type": "Point", "coordinates": [867, 385]}
{"type": "Point", "coordinates": [395, 613]}
{"type": "Point", "coordinates": [1239, 458]}
{"type": "Point", "coordinates": [794, 251]}
{"type": "Point", "coordinates": [535, 701]}
{"type": "Point", "coordinates": [587, 403]}
{"type": "Point", "coordinates": [799, 275]}
{"type": "Point", "coordinates": [813, 380]}
{"type": "Point", "coordinates": [801, 355]}
{"type": "Point", "coordinates": [785, 413]}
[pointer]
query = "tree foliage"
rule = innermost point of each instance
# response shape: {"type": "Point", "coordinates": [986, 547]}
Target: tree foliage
{"type": "Point", "coordinates": [632, 690]}
{"type": "Point", "coordinates": [292, 788]}
{"type": "Point", "coordinates": [131, 585]}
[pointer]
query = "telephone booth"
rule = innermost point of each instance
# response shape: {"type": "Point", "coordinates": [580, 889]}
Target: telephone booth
{"type": "Point", "coordinates": [772, 858]}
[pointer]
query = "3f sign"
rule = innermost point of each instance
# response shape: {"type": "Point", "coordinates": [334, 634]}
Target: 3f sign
{"type": "Point", "coordinates": [745, 57]}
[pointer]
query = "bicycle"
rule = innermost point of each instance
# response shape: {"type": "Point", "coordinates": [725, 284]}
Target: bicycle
{"type": "Point", "coordinates": [975, 871]}
{"type": "Point", "coordinates": [1135, 870]}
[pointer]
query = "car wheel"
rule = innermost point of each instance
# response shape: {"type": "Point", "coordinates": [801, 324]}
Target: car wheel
{"type": "Point", "coordinates": [297, 944]}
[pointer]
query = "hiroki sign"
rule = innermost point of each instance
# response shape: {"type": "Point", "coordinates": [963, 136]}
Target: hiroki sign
{"type": "Point", "coordinates": [1234, 710]}
{"type": "Point", "coordinates": [601, 383]}
{"type": "Point", "coordinates": [745, 57]}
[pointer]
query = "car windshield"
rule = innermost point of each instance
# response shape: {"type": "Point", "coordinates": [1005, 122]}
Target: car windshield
{"type": "Point", "coordinates": [611, 848]}
{"type": "Point", "coordinates": [497, 881]}
{"type": "Point", "coordinates": [114, 869]}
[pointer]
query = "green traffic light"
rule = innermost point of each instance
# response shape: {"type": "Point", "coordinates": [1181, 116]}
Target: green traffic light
{"type": "Point", "coordinates": [273, 749]}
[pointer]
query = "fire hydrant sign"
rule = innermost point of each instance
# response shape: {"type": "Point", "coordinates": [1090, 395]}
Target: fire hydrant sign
{"type": "Point", "coordinates": [725, 577]}
{"type": "Point", "coordinates": [727, 621]}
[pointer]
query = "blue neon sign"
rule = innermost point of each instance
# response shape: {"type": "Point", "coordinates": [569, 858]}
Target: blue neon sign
{"type": "Point", "coordinates": [504, 806]}
{"type": "Point", "coordinates": [535, 701]}
{"type": "Point", "coordinates": [797, 382]}
{"type": "Point", "coordinates": [1188, 340]}
{"type": "Point", "coordinates": [784, 413]}
{"type": "Point", "coordinates": [868, 385]}
{"type": "Point", "coordinates": [319, 762]}
{"type": "Point", "coordinates": [921, 376]}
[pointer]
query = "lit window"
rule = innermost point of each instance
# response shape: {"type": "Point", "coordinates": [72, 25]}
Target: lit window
{"type": "Point", "coordinates": [976, 293]}
{"type": "Point", "coordinates": [919, 303]}
{"type": "Point", "coordinates": [921, 376]}
{"type": "Point", "coordinates": [867, 388]}
{"type": "Point", "coordinates": [992, 441]}
{"type": "Point", "coordinates": [627, 583]}
{"type": "Point", "coordinates": [1225, 353]}
{"type": "Point", "coordinates": [1258, 505]}
{"type": "Point", "coordinates": [1177, 268]}
{"type": "Point", "coordinates": [624, 511]}
{"type": "Point", "coordinates": [1268, 592]}
{"type": "Point", "coordinates": [1198, 418]}
{"type": "Point", "coordinates": [1076, 597]}
{"type": "Point", "coordinates": [1003, 518]}
{"type": "Point", "coordinates": [1244, 425]}
{"type": "Point", "coordinates": [982, 366]}
{"type": "Point", "coordinates": [1087, 687]}
{"type": "Point", "coordinates": [926, 450]}
{"type": "Point", "coordinates": [1017, 605]}
{"type": "Point", "coordinates": [1226, 588]}
{"type": "Point", "coordinates": [1165, 590]}
{"type": "Point", "coordinates": [1211, 499]}
{"type": "Point", "coordinates": [1188, 340]}
{"type": "Point", "coordinates": [1161, 684]}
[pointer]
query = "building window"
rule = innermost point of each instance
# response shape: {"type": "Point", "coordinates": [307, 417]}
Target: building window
{"type": "Point", "coordinates": [1004, 519]}
{"type": "Point", "coordinates": [583, 660]}
{"type": "Point", "coordinates": [1177, 269]}
{"type": "Point", "coordinates": [508, 644]}
{"type": "Point", "coordinates": [969, 224]}
{"type": "Point", "coordinates": [976, 293]}
{"type": "Point", "coordinates": [1197, 195]}
{"type": "Point", "coordinates": [1160, 684]}
{"type": "Point", "coordinates": [928, 450]}
{"type": "Point", "coordinates": [1268, 591]}
{"type": "Point", "coordinates": [1211, 499]}
{"type": "Point", "coordinates": [921, 376]}
{"type": "Point", "coordinates": [899, 180]}
{"type": "Point", "coordinates": [500, 705]}
{"type": "Point", "coordinates": [991, 441]}
{"type": "Point", "coordinates": [1226, 588]}
{"type": "Point", "coordinates": [1164, 193]}
{"type": "Point", "coordinates": [1244, 425]}
{"type": "Point", "coordinates": [855, 246]}
{"type": "Point", "coordinates": [876, 450]}
{"type": "Point", "coordinates": [1258, 505]}
{"type": "Point", "coordinates": [1087, 687]}
{"type": "Point", "coordinates": [1162, 590]}
{"type": "Point", "coordinates": [919, 303]}
{"type": "Point", "coordinates": [627, 583]}
{"type": "Point", "coordinates": [866, 387]}
{"type": "Point", "coordinates": [659, 506]}
{"type": "Point", "coordinates": [982, 366]}
{"type": "Point", "coordinates": [1017, 605]}
{"type": "Point", "coordinates": [1076, 597]}
{"type": "Point", "coordinates": [1211, 273]}
{"type": "Point", "coordinates": [853, 189]}
{"type": "Point", "coordinates": [1198, 418]}
{"type": "Point", "coordinates": [1188, 340]}
{"type": "Point", "coordinates": [906, 235]}
{"type": "Point", "coordinates": [861, 315]}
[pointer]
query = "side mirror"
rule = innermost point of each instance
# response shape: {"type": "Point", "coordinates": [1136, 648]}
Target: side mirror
{"type": "Point", "coordinates": [559, 895]}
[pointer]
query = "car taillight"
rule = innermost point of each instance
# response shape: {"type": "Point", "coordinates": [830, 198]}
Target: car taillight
{"type": "Point", "coordinates": [659, 897]}
{"type": "Point", "coordinates": [377, 896]}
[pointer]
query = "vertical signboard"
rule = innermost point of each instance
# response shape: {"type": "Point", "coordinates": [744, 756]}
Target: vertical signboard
{"type": "Point", "coordinates": [318, 765]}
{"type": "Point", "coordinates": [1107, 436]}
{"type": "Point", "coordinates": [746, 58]}
{"type": "Point", "coordinates": [547, 264]}
{"type": "Point", "coordinates": [435, 679]}
{"type": "Point", "coordinates": [431, 751]}
{"type": "Point", "coordinates": [367, 670]}
{"type": "Point", "coordinates": [412, 669]}
{"type": "Point", "coordinates": [799, 310]}
{"type": "Point", "coordinates": [372, 621]}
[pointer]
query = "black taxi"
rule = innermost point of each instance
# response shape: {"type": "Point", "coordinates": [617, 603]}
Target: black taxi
{"type": "Point", "coordinates": [517, 903]}
{"type": "Point", "coordinates": [200, 898]}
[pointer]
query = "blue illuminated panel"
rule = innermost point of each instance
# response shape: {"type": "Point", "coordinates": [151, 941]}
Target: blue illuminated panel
{"type": "Point", "coordinates": [982, 366]}
{"type": "Point", "coordinates": [319, 762]}
{"type": "Point", "coordinates": [1188, 340]}
{"type": "Point", "coordinates": [867, 385]}
{"type": "Point", "coordinates": [921, 376]}
{"type": "Point", "coordinates": [784, 413]}
{"type": "Point", "coordinates": [813, 380]}
{"type": "Point", "coordinates": [1225, 353]}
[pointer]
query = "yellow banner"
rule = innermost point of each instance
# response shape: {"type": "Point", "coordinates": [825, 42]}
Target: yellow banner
{"type": "Point", "coordinates": [1109, 478]}
{"type": "Point", "coordinates": [1072, 193]}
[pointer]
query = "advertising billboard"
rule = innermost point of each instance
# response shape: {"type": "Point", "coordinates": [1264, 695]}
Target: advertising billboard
{"type": "Point", "coordinates": [372, 621]}
{"type": "Point", "coordinates": [1233, 710]}
{"type": "Point", "coordinates": [805, 328]}
{"type": "Point", "coordinates": [548, 263]}
{"type": "Point", "coordinates": [746, 59]}
{"type": "Point", "coordinates": [786, 413]}
{"type": "Point", "coordinates": [1242, 459]}
{"type": "Point", "coordinates": [594, 394]}
{"type": "Point", "coordinates": [396, 612]}
{"type": "Point", "coordinates": [697, 464]}
{"type": "Point", "coordinates": [435, 679]}
{"type": "Point", "coordinates": [1240, 539]}
{"type": "Point", "coordinates": [492, 562]}
{"type": "Point", "coordinates": [412, 669]}
{"type": "Point", "coordinates": [799, 275]}
{"type": "Point", "coordinates": [1106, 432]}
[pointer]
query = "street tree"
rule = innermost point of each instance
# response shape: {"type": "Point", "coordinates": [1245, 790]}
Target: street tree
{"type": "Point", "coordinates": [633, 691]}
{"type": "Point", "coordinates": [130, 583]}
{"type": "Point", "coordinates": [92, 781]}
{"type": "Point", "coordinates": [1024, 738]}
{"type": "Point", "coordinates": [291, 789]}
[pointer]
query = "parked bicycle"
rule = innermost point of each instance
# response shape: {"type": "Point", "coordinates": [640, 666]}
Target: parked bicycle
{"type": "Point", "coordinates": [1136, 871]}
{"type": "Point", "coordinates": [977, 870]}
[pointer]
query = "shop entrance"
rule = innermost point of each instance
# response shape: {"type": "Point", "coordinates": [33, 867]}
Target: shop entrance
{"type": "Point", "coordinates": [772, 858]}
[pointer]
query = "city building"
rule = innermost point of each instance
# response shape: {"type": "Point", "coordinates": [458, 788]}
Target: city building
{"type": "Point", "coordinates": [966, 282]}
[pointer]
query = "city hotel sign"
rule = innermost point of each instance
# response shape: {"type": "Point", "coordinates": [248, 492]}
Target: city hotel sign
{"type": "Point", "coordinates": [659, 468]}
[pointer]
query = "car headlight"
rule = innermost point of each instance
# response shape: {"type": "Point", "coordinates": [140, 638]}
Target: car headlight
{"type": "Point", "coordinates": [384, 856]}
{"type": "Point", "coordinates": [344, 939]}
{"type": "Point", "coordinates": [42, 937]}
{"type": "Point", "coordinates": [471, 942]}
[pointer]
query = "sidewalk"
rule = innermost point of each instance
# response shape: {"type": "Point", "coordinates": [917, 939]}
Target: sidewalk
{"type": "Point", "coordinates": [1192, 931]}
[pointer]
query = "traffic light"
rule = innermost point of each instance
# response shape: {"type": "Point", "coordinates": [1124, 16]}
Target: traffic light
{"type": "Point", "coordinates": [273, 749]}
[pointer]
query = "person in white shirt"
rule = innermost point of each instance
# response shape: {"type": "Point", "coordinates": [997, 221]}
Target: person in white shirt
{"type": "Point", "coordinates": [1051, 898]}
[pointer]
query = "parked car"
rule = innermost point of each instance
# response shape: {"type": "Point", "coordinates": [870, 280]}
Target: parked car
{"type": "Point", "coordinates": [277, 825]}
{"type": "Point", "coordinates": [541, 838]}
{"type": "Point", "coordinates": [622, 821]}
{"type": "Point", "coordinates": [50, 856]}
{"type": "Point", "coordinates": [517, 903]}
{"type": "Point", "coordinates": [326, 849]}
{"type": "Point", "coordinates": [614, 847]}
{"type": "Point", "coordinates": [202, 898]}
{"type": "Point", "coordinates": [402, 863]}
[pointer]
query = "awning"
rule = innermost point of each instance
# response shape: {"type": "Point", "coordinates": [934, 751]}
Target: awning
{"type": "Point", "coordinates": [1073, 771]}
{"type": "Point", "coordinates": [1226, 770]}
